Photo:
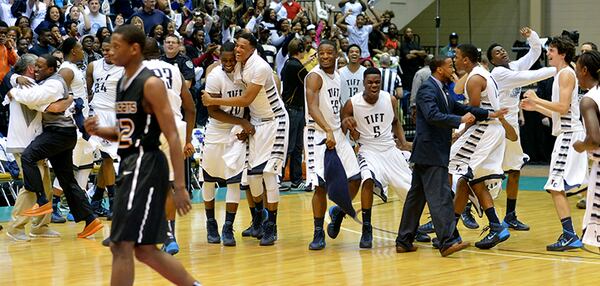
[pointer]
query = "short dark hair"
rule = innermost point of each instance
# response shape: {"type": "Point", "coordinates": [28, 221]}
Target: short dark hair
{"type": "Point", "coordinates": [490, 50]}
{"type": "Point", "coordinates": [132, 35]}
{"type": "Point", "coordinates": [437, 62]}
{"type": "Point", "coordinates": [295, 47]}
{"type": "Point", "coordinates": [43, 30]}
{"type": "Point", "coordinates": [228, 47]}
{"type": "Point", "coordinates": [327, 42]}
{"type": "Point", "coordinates": [249, 37]}
{"type": "Point", "coordinates": [594, 47]}
{"type": "Point", "coordinates": [565, 46]}
{"type": "Point", "coordinates": [355, 46]}
{"type": "Point", "coordinates": [51, 61]}
{"type": "Point", "coordinates": [151, 49]}
{"type": "Point", "coordinates": [371, 70]}
{"type": "Point", "coordinates": [68, 45]}
{"type": "Point", "coordinates": [591, 60]}
{"type": "Point", "coordinates": [469, 51]}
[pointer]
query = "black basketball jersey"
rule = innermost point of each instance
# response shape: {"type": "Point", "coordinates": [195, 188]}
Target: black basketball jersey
{"type": "Point", "coordinates": [137, 129]}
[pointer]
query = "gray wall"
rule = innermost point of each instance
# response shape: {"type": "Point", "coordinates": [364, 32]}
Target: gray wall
{"type": "Point", "coordinates": [491, 21]}
{"type": "Point", "coordinates": [581, 15]}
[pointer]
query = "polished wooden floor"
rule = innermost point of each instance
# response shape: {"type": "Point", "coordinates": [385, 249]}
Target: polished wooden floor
{"type": "Point", "coordinates": [520, 260]}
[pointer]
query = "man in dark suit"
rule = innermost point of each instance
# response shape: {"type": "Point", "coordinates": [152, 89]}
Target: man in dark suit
{"type": "Point", "coordinates": [437, 115]}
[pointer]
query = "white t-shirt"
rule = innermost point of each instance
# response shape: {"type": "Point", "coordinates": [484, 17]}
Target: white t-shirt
{"type": "Point", "coordinates": [360, 37]}
{"type": "Point", "coordinates": [356, 10]}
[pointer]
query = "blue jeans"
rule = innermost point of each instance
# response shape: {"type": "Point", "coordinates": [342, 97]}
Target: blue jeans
{"type": "Point", "coordinates": [295, 143]}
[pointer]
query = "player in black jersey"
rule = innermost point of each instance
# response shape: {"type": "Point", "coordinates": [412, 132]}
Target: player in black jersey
{"type": "Point", "coordinates": [143, 111]}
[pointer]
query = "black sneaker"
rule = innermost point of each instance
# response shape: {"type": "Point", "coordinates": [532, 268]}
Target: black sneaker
{"type": "Point", "coordinates": [468, 219]}
{"type": "Point", "coordinates": [426, 228]}
{"type": "Point", "coordinates": [337, 216]}
{"type": "Point", "coordinates": [498, 233]}
{"type": "Point", "coordinates": [318, 242]}
{"type": "Point", "coordinates": [511, 221]}
{"type": "Point", "coordinates": [99, 210]}
{"type": "Point", "coordinates": [366, 239]}
{"type": "Point", "coordinates": [422, 237]}
{"type": "Point", "coordinates": [106, 242]}
{"type": "Point", "coordinates": [257, 229]}
{"type": "Point", "coordinates": [247, 232]}
{"type": "Point", "coordinates": [212, 231]}
{"type": "Point", "coordinates": [228, 238]}
{"type": "Point", "coordinates": [435, 243]}
{"type": "Point", "coordinates": [268, 237]}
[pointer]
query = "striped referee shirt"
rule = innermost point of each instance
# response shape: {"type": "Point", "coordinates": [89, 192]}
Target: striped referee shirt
{"type": "Point", "coordinates": [390, 80]}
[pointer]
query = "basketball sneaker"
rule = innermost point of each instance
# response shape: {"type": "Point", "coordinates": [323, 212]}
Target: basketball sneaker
{"type": "Point", "coordinates": [228, 238]}
{"type": "Point", "coordinates": [247, 232]}
{"type": "Point", "coordinates": [366, 239]}
{"type": "Point", "coordinates": [511, 221]}
{"type": "Point", "coordinates": [565, 242]}
{"type": "Point", "coordinates": [212, 231]}
{"type": "Point", "coordinates": [57, 217]}
{"type": "Point", "coordinates": [268, 237]}
{"type": "Point", "coordinates": [318, 242]}
{"type": "Point", "coordinates": [468, 219]}
{"type": "Point", "coordinates": [170, 246]}
{"type": "Point", "coordinates": [99, 210]}
{"type": "Point", "coordinates": [337, 216]}
{"type": "Point", "coordinates": [498, 233]}
{"type": "Point", "coordinates": [426, 227]}
{"type": "Point", "coordinates": [257, 229]}
{"type": "Point", "coordinates": [422, 237]}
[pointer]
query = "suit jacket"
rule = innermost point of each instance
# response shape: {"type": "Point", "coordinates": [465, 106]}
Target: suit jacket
{"type": "Point", "coordinates": [435, 121]}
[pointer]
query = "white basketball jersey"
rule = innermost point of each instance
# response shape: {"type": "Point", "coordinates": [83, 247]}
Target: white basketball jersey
{"type": "Point", "coordinates": [329, 99]}
{"type": "Point", "coordinates": [78, 87]}
{"type": "Point", "coordinates": [569, 121]}
{"type": "Point", "coordinates": [489, 98]}
{"type": "Point", "coordinates": [219, 82]}
{"type": "Point", "coordinates": [351, 83]}
{"type": "Point", "coordinates": [374, 121]}
{"type": "Point", "coordinates": [594, 94]}
{"type": "Point", "coordinates": [171, 76]}
{"type": "Point", "coordinates": [106, 76]}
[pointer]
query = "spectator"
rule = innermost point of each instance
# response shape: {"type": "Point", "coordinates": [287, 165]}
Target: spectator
{"type": "Point", "coordinates": [269, 51]}
{"type": "Point", "coordinates": [411, 59]}
{"type": "Point", "coordinates": [37, 10]}
{"type": "Point", "coordinates": [57, 38]}
{"type": "Point", "coordinates": [43, 44]}
{"type": "Point", "coordinates": [277, 6]}
{"type": "Point", "coordinates": [588, 46]}
{"type": "Point", "coordinates": [22, 22]}
{"type": "Point", "coordinates": [88, 50]}
{"type": "Point", "coordinates": [71, 29]}
{"type": "Point", "coordinates": [420, 76]}
{"type": "Point", "coordinates": [54, 17]}
{"type": "Point", "coordinates": [450, 49]}
{"type": "Point", "coordinates": [353, 8]}
{"type": "Point", "coordinates": [292, 78]}
{"type": "Point", "coordinates": [151, 16]}
{"type": "Point", "coordinates": [6, 15]}
{"type": "Point", "coordinates": [8, 51]}
{"type": "Point", "coordinates": [102, 34]}
{"type": "Point", "coordinates": [341, 62]}
{"type": "Point", "coordinates": [22, 46]}
{"type": "Point", "coordinates": [157, 32]}
{"type": "Point", "coordinates": [292, 8]}
{"type": "Point", "coordinates": [358, 34]}
{"type": "Point", "coordinates": [386, 21]}
{"type": "Point", "coordinates": [138, 22]}
{"type": "Point", "coordinates": [119, 21]}
{"type": "Point", "coordinates": [97, 19]}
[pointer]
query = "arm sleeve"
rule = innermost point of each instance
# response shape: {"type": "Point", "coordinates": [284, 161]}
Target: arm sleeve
{"type": "Point", "coordinates": [509, 79]}
{"type": "Point", "coordinates": [427, 105]}
{"type": "Point", "coordinates": [50, 91]}
{"type": "Point", "coordinates": [532, 56]}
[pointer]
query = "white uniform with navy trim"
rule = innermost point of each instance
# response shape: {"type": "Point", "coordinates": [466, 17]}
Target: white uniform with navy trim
{"type": "Point", "coordinates": [475, 155]}
{"type": "Point", "coordinates": [591, 218]}
{"type": "Point", "coordinates": [106, 76]}
{"type": "Point", "coordinates": [351, 83]}
{"type": "Point", "coordinates": [568, 168]}
{"type": "Point", "coordinates": [267, 147]}
{"type": "Point", "coordinates": [378, 157]}
{"type": "Point", "coordinates": [330, 106]}
{"type": "Point", "coordinates": [172, 78]}
{"type": "Point", "coordinates": [223, 155]}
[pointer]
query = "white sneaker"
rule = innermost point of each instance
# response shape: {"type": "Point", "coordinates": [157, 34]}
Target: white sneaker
{"type": "Point", "coordinates": [46, 233]}
{"type": "Point", "coordinates": [18, 236]}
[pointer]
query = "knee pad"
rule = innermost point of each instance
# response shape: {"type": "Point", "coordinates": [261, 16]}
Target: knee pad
{"type": "Point", "coordinates": [256, 186]}
{"type": "Point", "coordinates": [233, 193]}
{"type": "Point", "coordinates": [208, 192]}
{"type": "Point", "coordinates": [272, 186]}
